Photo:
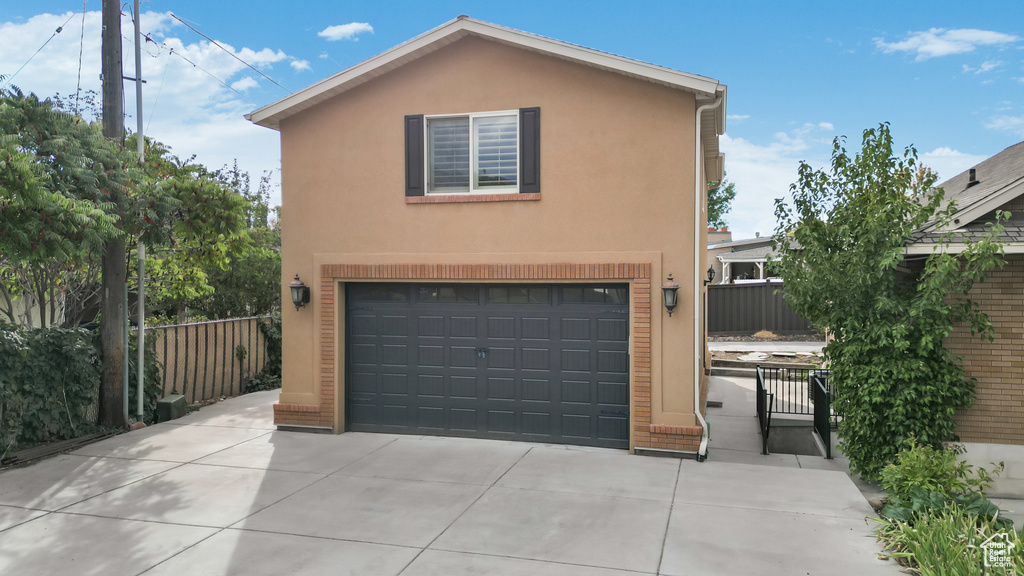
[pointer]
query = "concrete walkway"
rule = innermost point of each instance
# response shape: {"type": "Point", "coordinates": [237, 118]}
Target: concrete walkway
{"type": "Point", "coordinates": [221, 492]}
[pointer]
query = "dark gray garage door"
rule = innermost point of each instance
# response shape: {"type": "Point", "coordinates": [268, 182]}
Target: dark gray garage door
{"type": "Point", "coordinates": [541, 363]}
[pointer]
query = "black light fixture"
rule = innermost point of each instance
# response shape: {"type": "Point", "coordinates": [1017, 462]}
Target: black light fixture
{"type": "Point", "coordinates": [300, 292]}
{"type": "Point", "coordinates": [669, 291]}
{"type": "Point", "coordinates": [711, 275]}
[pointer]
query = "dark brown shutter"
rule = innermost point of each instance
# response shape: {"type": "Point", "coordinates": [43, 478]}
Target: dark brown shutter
{"type": "Point", "coordinates": [414, 155]}
{"type": "Point", "coordinates": [529, 150]}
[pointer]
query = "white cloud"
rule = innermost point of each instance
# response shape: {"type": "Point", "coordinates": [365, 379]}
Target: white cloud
{"type": "Point", "coordinates": [737, 117]}
{"type": "Point", "coordinates": [986, 66]}
{"type": "Point", "coordinates": [948, 162]}
{"type": "Point", "coordinates": [827, 126]}
{"type": "Point", "coordinates": [300, 65]}
{"type": "Point", "coordinates": [763, 173]}
{"type": "Point", "coordinates": [941, 42]}
{"type": "Point", "coordinates": [245, 83]}
{"type": "Point", "coordinates": [1013, 124]}
{"type": "Point", "coordinates": [349, 31]}
{"type": "Point", "coordinates": [185, 105]}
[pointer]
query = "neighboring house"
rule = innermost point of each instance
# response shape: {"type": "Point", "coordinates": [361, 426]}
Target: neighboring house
{"type": "Point", "coordinates": [486, 218]}
{"type": "Point", "coordinates": [739, 259]}
{"type": "Point", "coordinates": [993, 428]}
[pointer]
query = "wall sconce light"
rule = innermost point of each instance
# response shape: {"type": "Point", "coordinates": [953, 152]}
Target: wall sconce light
{"type": "Point", "coordinates": [711, 275]}
{"type": "Point", "coordinates": [669, 291]}
{"type": "Point", "coordinates": [300, 292]}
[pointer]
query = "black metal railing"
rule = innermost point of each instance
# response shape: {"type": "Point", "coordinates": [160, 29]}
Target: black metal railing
{"type": "Point", "coordinates": [822, 399]}
{"type": "Point", "coordinates": [765, 404]}
{"type": "Point", "coordinates": [792, 388]}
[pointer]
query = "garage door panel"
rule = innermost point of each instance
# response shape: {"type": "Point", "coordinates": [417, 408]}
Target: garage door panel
{"type": "Point", "coordinates": [463, 356]}
{"type": "Point", "coordinates": [430, 418]}
{"type": "Point", "coordinates": [430, 356]}
{"type": "Point", "coordinates": [363, 354]}
{"type": "Point", "coordinates": [430, 327]}
{"type": "Point", "coordinates": [462, 386]}
{"type": "Point", "coordinates": [576, 391]}
{"type": "Point", "coordinates": [575, 329]}
{"type": "Point", "coordinates": [394, 326]}
{"type": "Point", "coordinates": [536, 390]}
{"type": "Point", "coordinates": [612, 329]}
{"type": "Point", "coordinates": [501, 388]}
{"type": "Point", "coordinates": [394, 355]}
{"type": "Point", "coordinates": [612, 361]}
{"type": "Point", "coordinates": [463, 327]}
{"type": "Point", "coordinates": [501, 327]}
{"type": "Point", "coordinates": [363, 382]}
{"type": "Point", "coordinates": [501, 422]}
{"type": "Point", "coordinates": [363, 325]}
{"type": "Point", "coordinates": [508, 362]}
{"type": "Point", "coordinates": [536, 359]}
{"type": "Point", "coordinates": [501, 358]}
{"type": "Point", "coordinates": [536, 328]}
{"type": "Point", "coordinates": [575, 360]}
{"type": "Point", "coordinates": [576, 426]}
{"type": "Point", "coordinates": [613, 393]}
{"type": "Point", "coordinates": [537, 423]}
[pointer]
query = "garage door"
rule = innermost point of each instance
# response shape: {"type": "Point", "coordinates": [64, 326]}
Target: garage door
{"type": "Point", "coordinates": [539, 363]}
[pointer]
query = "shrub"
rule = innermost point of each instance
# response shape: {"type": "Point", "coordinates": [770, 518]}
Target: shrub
{"type": "Point", "coordinates": [934, 470]}
{"type": "Point", "coordinates": [948, 541]}
{"type": "Point", "coordinates": [153, 388]}
{"type": "Point", "coordinates": [270, 376]}
{"type": "Point", "coordinates": [49, 378]}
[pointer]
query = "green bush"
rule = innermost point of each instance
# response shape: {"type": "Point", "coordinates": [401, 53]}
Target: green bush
{"type": "Point", "coordinates": [920, 503]}
{"type": "Point", "coordinates": [947, 542]}
{"type": "Point", "coordinates": [269, 377]}
{"type": "Point", "coordinates": [933, 470]}
{"type": "Point", "coordinates": [48, 380]}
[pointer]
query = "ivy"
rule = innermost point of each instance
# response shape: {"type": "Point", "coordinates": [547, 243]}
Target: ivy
{"type": "Point", "coordinates": [841, 246]}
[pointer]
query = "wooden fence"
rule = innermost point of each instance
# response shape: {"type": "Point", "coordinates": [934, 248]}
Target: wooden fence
{"type": "Point", "coordinates": [737, 309]}
{"type": "Point", "coordinates": [206, 360]}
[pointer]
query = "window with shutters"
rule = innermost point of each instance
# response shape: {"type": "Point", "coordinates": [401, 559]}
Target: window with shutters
{"type": "Point", "coordinates": [473, 153]}
{"type": "Point", "coordinates": [478, 153]}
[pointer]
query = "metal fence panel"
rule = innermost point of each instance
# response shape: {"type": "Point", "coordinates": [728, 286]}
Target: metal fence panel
{"type": "Point", "coordinates": [200, 360]}
{"type": "Point", "coordinates": [735, 309]}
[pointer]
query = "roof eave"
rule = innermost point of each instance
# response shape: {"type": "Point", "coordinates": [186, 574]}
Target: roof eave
{"type": "Point", "coordinates": [271, 115]}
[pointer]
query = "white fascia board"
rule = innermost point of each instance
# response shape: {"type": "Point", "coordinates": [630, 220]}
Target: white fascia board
{"type": "Point", "coordinates": [919, 249]}
{"type": "Point", "coordinates": [270, 115]}
{"type": "Point", "coordinates": [981, 207]}
{"type": "Point", "coordinates": [744, 260]}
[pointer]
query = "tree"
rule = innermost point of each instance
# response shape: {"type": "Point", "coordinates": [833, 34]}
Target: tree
{"type": "Point", "coordinates": [65, 190]}
{"type": "Point", "coordinates": [841, 247]}
{"type": "Point", "coordinates": [720, 197]}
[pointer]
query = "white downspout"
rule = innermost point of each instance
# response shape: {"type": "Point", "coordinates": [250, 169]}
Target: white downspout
{"type": "Point", "coordinates": [698, 314]}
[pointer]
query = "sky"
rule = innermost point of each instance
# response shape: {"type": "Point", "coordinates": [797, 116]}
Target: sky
{"type": "Point", "coordinates": [947, 76]}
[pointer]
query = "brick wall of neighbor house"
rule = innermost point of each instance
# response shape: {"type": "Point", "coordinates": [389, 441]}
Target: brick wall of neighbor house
{"type": "Point", "coordinates": [997, 415]}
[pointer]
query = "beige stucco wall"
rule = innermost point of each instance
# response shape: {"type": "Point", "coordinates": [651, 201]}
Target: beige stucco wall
{"type": "Point", "coordinates": [617, 160]}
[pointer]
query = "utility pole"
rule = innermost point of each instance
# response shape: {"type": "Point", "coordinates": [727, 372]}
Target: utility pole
{"type": "Point", "coordinates": [140, 381]}
{"type": "Point", "coordinates": [114, 267]}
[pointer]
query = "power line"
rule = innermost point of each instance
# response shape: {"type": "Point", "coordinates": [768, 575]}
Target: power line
{"type": "Point", "coordinates": [171, 51]}
{"type": "Point", "coordinates": [81, 48]}
{"type": "Point", "coordinates": [58, 31]}
{"type": "Point", "coordinates": [232, 54]}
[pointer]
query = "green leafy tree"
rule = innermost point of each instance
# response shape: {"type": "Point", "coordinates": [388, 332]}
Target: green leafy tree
{"type": "Point", "coordinates": [842, 257]}
{"type": "Point", "coordinates": [65, 189]}
{"type": "Point", "coordinates": [720, 197]}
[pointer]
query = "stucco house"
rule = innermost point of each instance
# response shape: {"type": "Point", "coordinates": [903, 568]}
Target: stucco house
{"type": "Point", "coordinates": [485, 218]}
{"type": "Point", "coordinates": [993, 428]}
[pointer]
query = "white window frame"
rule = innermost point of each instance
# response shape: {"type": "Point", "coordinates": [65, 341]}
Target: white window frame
{"type": "Point", "coordinates": [473, 189]}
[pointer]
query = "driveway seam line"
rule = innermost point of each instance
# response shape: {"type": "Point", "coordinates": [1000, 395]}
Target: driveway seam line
{"type": "Point", "coordinates": [559, 562]}
{"type": "Point", "coordinates": [487, 488]}
{"type": "Point", "coordinates": [668, 521]}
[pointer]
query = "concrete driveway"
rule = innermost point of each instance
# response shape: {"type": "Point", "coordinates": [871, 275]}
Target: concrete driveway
{"type": "Point", "coordinates": [221, 492]}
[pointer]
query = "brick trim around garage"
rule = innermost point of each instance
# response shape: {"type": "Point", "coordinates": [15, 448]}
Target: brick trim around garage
{"type": "Point", "coordinates": [645, 435]}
